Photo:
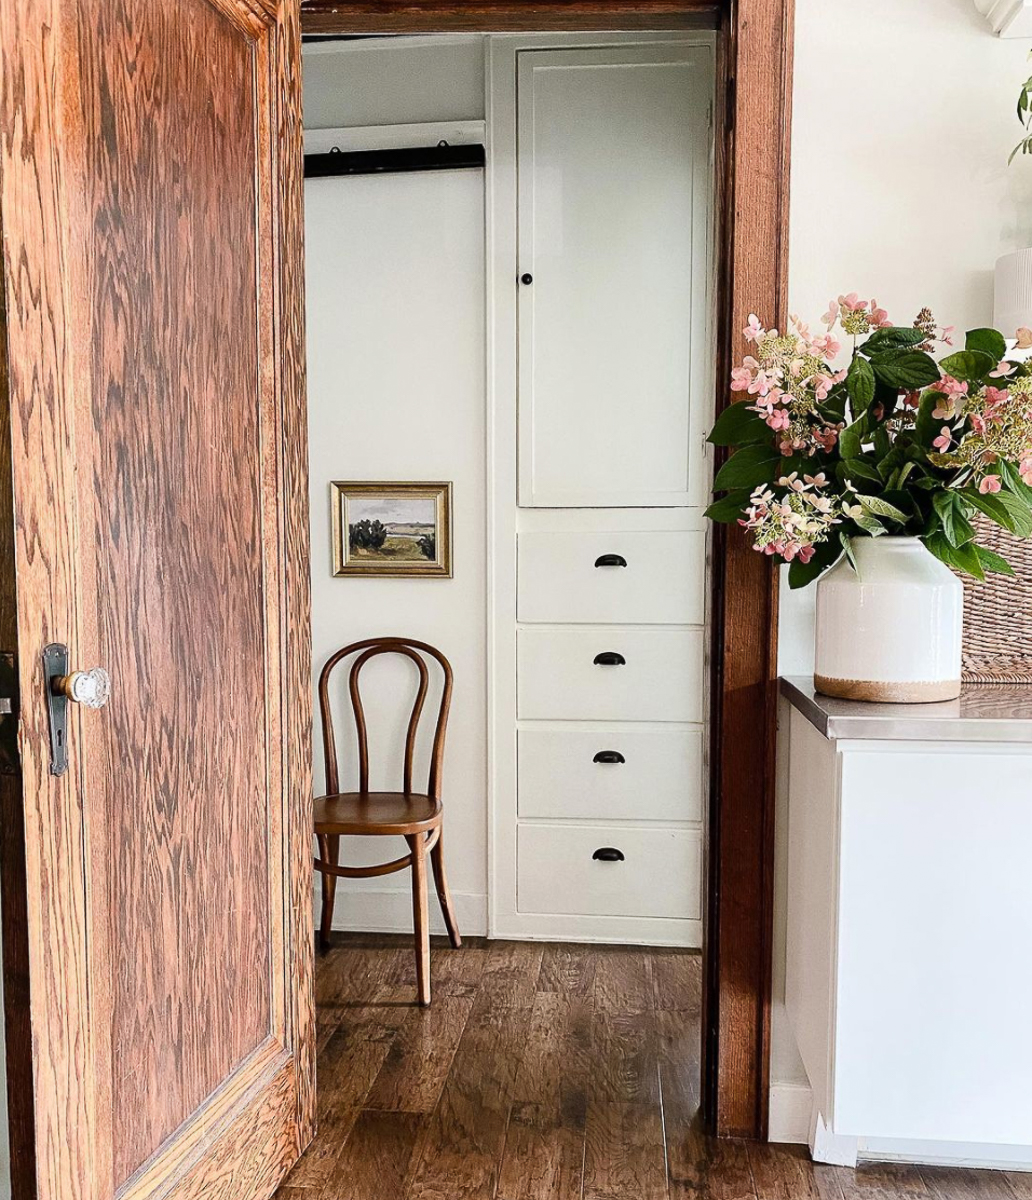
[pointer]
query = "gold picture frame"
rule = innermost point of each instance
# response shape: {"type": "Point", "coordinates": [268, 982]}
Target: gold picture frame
{"type": "Point", "coordinates": [392, 530]}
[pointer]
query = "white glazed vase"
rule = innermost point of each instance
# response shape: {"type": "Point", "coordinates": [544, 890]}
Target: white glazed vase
{"type": "Point", "coordinates": [893, 633]}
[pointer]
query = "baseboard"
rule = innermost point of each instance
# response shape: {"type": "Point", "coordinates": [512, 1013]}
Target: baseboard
{"type": "Point", "coordinates": [791, 1121]}
{"type": "Point", "coordinates": [382, 910]}
{"type": "Point", "coordinates": [789, 1117]}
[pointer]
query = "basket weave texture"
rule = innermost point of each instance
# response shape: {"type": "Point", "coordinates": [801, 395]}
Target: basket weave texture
{"type": "Point", "coordinates": [998, 613]}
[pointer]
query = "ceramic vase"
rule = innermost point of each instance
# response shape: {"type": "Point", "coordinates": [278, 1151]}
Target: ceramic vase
{"type": "Point", "coordinates": [891, 632]}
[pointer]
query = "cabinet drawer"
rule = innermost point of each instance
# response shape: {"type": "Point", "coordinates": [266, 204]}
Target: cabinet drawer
{"type": "Point", "coordinates": [659, 875]}
{"type": "Point", "coordinates": [562, 674]}
{"type": "Point", "coordinates": [595, 578]}
{"type": "Point", "coordinates": [612, 773]}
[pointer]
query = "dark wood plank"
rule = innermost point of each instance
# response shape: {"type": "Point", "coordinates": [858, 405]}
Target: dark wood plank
{"type": "Point", "coordinates": [624, 1152]}
{"type": "Point", "coordinates": [786, 1173]}
{"type": "Point", "coordinates": [962, 1183]}
{"type": "Point", "coordinates": [377, 1157]}
{"type": "Point", "coordinates": [623, 981]}
{"type": "Point", "coordinates": [511, 973]}
{"type": "Point", "coordinates": [569, 970]}
{"type": "Point", "coordinates": [485, 16]}
{"type": "Point", "coordinates": [416, 1067]}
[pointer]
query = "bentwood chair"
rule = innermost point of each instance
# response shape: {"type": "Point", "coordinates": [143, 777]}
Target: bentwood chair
{"type": "Point", "coordinates": [416, 816]}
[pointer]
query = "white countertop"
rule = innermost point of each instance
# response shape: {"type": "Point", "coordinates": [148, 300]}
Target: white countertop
{"type": "Point", "coordinates": [983, 713]}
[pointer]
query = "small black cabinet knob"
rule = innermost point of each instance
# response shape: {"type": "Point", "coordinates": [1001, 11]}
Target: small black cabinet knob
{"type": "Point", "coordinates": [608, 854]}
{"type": "Point", "coordinates": [609, 756]}
{"type": "Point", "coordinates": [526, 278]}
{"type": "Point", "coordinates": [610, 658]}
{"type": "Point", "coordinates": [610, 560]}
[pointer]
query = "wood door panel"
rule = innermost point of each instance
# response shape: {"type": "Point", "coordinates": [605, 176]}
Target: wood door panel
{"type": "Point", "coordinates": [151, 213]}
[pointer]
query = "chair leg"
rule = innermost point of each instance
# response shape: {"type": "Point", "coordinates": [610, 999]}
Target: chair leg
{"type": "Point", "coordinates": [329, 852]}
{"type": "Point", "coordinates": [420, 916]}
{"type": "Point", "coordinates": [443, 894]}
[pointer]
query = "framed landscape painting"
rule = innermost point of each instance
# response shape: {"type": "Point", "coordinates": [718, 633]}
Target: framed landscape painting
{"type": "Point", "coordinates": [393, 530]}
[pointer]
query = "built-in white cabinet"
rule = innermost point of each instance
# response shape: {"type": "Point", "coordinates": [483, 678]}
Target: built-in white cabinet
{"type": "Point", "coordinates": [602, 307]}
{"type": "Point", "coordinates": [614, 211]}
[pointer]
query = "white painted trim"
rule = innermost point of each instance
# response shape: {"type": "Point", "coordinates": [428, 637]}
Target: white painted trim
{"type": "Point", "coordinates": [394, 137]}
{"type": "Point", "coordinates": [389, 910]}
{"type": "Point", "coordinates": [1008, 18]}
{"type": "Point", "coordinates": [836, 1149]}
{"type": "Point", "coordinates": [789, 1113]}
{"type": "Point", "coordinates": [685, 933]}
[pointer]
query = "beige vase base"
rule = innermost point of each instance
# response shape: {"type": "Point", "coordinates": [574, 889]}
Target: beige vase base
{"type": "Point", "coordinates": [888, 691]}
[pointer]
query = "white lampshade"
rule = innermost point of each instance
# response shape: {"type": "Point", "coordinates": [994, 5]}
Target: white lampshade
{"type": "Point", "coordinates": [1012, 306]}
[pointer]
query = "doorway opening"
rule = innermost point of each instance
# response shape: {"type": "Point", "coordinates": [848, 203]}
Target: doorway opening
{"type": "Point", "coordinates": [511, 247]}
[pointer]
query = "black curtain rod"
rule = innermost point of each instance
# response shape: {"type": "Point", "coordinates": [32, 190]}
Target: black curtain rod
{"type": "Point", "coordinates": [381, 162]}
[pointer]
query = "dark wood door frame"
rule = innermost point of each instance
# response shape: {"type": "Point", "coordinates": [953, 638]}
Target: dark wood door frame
{"type": "Point", "coordinates": [756, 58]}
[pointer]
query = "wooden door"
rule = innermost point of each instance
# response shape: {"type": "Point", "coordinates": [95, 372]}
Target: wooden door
{"type": "Point", "coordinates": [150, 162]}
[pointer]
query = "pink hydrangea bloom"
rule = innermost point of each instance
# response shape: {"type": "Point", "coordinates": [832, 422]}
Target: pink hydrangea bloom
{"type": "Point", "coordinates": [944, 440]}
{"type": "Point", "coordinates": [990, 485]}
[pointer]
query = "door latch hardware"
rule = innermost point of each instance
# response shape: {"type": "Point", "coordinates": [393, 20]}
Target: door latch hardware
{"type": "Point", "coordinates": [10, 756]}
{"type": "Point", "coordinates": [55, 667]}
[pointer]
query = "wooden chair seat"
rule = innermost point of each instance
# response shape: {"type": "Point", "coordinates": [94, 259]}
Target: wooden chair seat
{"type": "Point", "coordinates": [377, 814]}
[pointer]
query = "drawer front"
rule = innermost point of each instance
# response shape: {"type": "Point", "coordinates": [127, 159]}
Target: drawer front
{"type": "Point", "coordinates": [612, 773]}
{"type": "Point", "coordinates": [596, 578]}
{"type": "Point", "coordinates": [565, 674]}
{"type": "Point", "coordinates": [659, 875]}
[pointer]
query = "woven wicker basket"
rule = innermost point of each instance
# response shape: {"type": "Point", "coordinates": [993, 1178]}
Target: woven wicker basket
{"type": "Point", "coordinates": [998, 614]}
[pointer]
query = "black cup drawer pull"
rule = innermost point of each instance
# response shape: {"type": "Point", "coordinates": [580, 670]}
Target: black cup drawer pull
{"type": "Point", "coordinates": [610, 560]}
{"type": "Point", "coordinates": [610, 658]}
{"type": "Point", "coordinates": [608, 854]}
{"type": "Point", "coordinates": [609, 756]}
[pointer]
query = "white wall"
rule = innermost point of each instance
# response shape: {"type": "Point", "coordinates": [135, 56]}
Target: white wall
{"type": "Point", "coordinates": [395, 311]}
{"type": "Point", "coordinates": [903, 121]}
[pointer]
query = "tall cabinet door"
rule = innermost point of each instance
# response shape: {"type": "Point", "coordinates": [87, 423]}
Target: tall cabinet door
{"type": "Point", "coordinates": [153, 523]}
{"type": "Point", "coordinates": [614, 170]}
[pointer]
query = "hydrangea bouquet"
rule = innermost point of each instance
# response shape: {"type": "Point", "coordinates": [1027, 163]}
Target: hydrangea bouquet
{"type": "Point", "coordinates": [892, 443]}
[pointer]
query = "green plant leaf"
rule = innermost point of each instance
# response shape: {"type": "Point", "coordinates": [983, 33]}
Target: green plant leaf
{"type": "Point", "coordinates": [1008, 511]}
{"type": "Point", "coordinates": [730, 507]}
{"type": "Point", "coordinates": [748, 467]}
{"type": "Point", "coordinates": [847, 544]}
{"type": "Point", "coordinates": [989, 341]}
{"type": "Point", "coordinates": [991, 561]}
{"type": "Point", "coordinates": [878, 507]}
{"type": "Point", "coordinates": [825, 555]}
{"type": "Point", "coordinates": [955, 525]}
{"type": "Point", "coordinates": [959, 558]}
{"type": "Point", "coordinates": [906, 369]}
{"type": "Point", "coordinates": [857, 468]}
{"type": "Point", "coordinates": [737, 425]}
{"type": "Point", "coordinates": [971, 366]}
{"type": "Point", "coordinates": [851, 439]}
{"type": "Point", "coordinates": [892, 338]}
{"type": "Point", "coordinates": [870, 525]}
{"type": "Point", "coordinates": [860, 383]}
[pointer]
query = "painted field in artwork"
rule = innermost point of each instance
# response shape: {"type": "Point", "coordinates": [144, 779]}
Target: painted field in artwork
{"type": "Point", "coordinates": [394, 529]}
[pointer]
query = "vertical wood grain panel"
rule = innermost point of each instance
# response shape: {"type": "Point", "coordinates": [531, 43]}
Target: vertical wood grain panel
{"type": "Point", "coordinates": [755, 279]}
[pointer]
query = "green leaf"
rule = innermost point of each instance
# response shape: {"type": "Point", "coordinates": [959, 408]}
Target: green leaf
{"type": "Point", "coordinates": [971, 366]}
{"type": "Point", "coordinates": [728, 509]}
{"type": "Point", "coordinates": [860, 383]}
{"type": "Point", "coordinates": [1008, 511]}
{"type": "Point", "coordinates": [991, 561]}
{"type": "Point", "coordinates": [1014, 481]}
{"type": "Point", "coordinates": [800, 573]}
{"type": "Point", "coordinates": [955, 525]}
{"type": "Point", "coordinates": [892, 338]}
{"type": "Point", "coordinates": [878, 507]}
{"type": "Point", "coordinates": [906, 370]}
{"type": "Point", "coordinates": [959, 558]}
{"type": "Point", "coordinates": [870, 525]}
{"type": "Point", "coordinates": [851, 439]}
{"type": "Point", "coordinates": [847, 545]}
{"type": "Point", "coordinates": [737, 425]}
{"type": "Point", "coordinates": [989, 341]}
{"type": "Point", "coordinates": [748, 467]}
{"type": "Point", "coordinates": [857, 468]}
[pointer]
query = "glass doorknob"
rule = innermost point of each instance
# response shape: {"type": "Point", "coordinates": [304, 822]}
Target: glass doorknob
{"type": "Point", "coordinates": [91, 688]}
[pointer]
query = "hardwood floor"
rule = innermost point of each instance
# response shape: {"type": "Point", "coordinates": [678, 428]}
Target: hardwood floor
{"type": "Point", "coordinates": [544, 1072]}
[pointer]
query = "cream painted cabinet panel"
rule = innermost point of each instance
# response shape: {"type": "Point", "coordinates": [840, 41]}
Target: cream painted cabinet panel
{"type": "Point", "coordinates": [609, 673]}
{"type": "Point", "coordinates": [575, 869]}
{"type": "Point", "coordinates": [610, 773]}
{"type": "Point", "coordinates": [596, 578]}
{"type": "Point", "coordinates": [614, 185]}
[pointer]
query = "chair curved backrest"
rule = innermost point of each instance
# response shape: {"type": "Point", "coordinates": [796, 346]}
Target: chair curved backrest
{"type": "Point", "coordinates": [369, 649]}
